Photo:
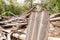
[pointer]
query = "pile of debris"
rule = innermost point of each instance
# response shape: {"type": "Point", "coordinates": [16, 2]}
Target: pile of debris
{"type": "Point", "coordinates": [13, 26]}
{"type": "Point", "coordinates": [54, 25]}
{"type": "Point", "coordinates": [11, 22]}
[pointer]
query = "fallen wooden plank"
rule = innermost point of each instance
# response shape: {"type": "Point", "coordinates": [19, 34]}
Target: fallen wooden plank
{"type": "Point", "coordinates": [55, 15]}
{"type": "Point", "coordinates": [21, 19]}
{"type": "Point", "coordinates": [55, 19]}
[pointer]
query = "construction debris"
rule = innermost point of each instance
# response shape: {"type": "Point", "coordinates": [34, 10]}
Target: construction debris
{"type": "Point", "coordinates": [54, 25]}
{"type": "Point", "coordinates": [12, 26]}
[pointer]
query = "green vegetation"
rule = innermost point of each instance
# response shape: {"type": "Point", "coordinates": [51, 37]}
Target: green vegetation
{"type": "Point", "coordinates": [12, 8]}
{"type": "Point", "coordinates": [52, 5]}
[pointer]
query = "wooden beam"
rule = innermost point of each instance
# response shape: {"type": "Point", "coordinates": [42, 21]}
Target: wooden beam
{"type": "Point", "coordinates": [38, 26]}
{"type": "Point", "coordinates": [43, 26]}
{"type": "Point", "coordinates": [30, 26]}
